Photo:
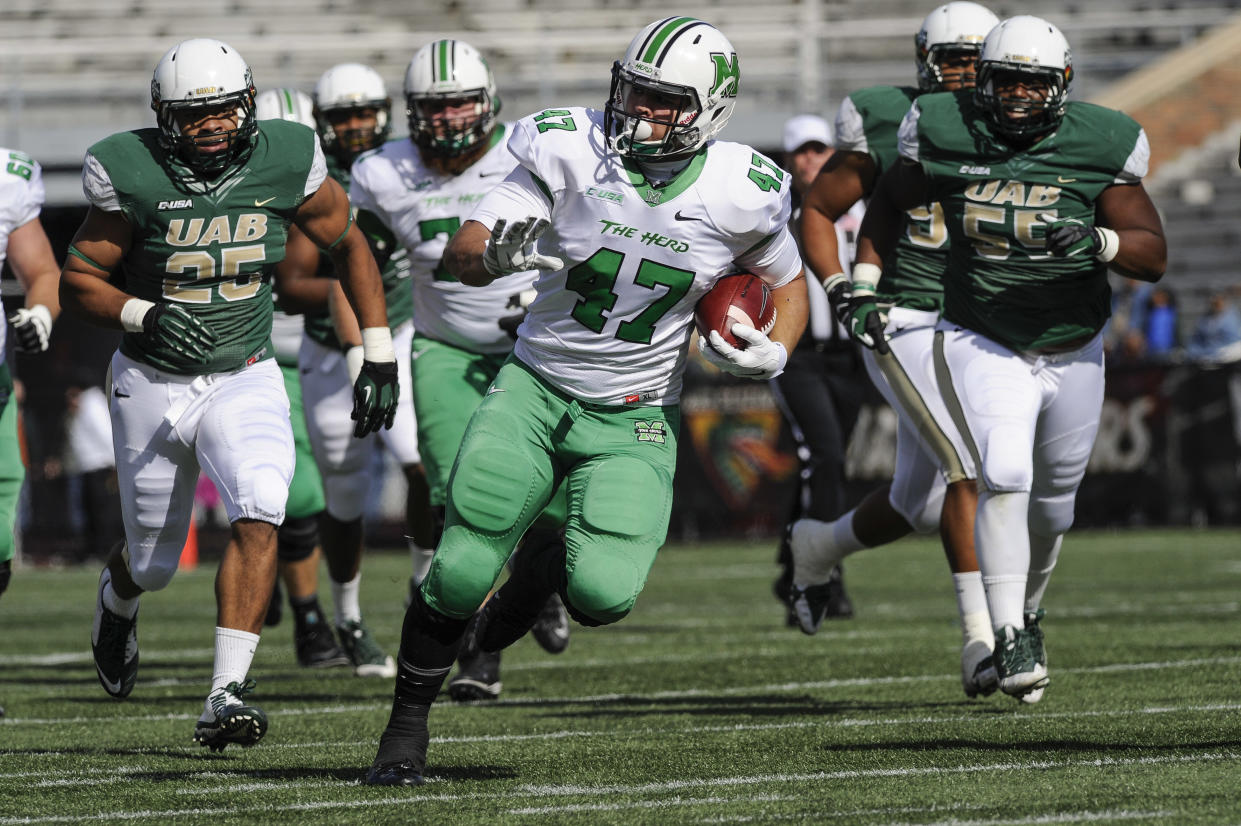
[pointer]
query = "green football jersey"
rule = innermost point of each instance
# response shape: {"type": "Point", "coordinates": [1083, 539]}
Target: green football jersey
{"type": "Point", "coordinates": [1000, 281]}
{"type": "Point", "coordinates": [868, 121]}
{"type": "Point", "coordinates": [211, 248]}
{"type": "Point", "coordinates": [394, 268]}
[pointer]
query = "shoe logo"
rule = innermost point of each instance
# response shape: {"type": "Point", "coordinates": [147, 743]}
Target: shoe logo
{"type": "Point", "coordinates": [265, 202]}
{"type": "Point", "coordinates": [681, 217]}
{"type": "Point", "coordinates": [1060, 180]}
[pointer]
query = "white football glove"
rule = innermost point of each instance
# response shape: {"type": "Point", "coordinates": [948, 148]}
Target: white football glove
{"type": "Point", "coordinates": [31, 328]}
{"type": "Point", "coordinates": [510, 248]}
{"type": "Point", "coordinates": [761, 359]}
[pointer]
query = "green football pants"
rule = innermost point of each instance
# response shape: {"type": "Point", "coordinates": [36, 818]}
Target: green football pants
{"type": "Point", "coordinates": [306, 489]}
{"type": "Point", "coordinates": [12, 471]}
{"type": "Point", "coordinates": [523, 441]}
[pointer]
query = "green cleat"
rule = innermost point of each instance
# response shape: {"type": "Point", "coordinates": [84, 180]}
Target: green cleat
{"type": "Point", "coordinates": [1016, 662]}
{"type": "Point", "coordinates": [369, 660]}
{"type": "Point", "coordinates": [1040, 656]}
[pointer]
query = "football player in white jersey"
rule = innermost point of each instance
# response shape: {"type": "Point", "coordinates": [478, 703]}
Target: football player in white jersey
{"type": "Point", "coordinates": [195, 212]}
{"type": "Point", "coordinates": [24, 243]}
{"type": "Point", "coordinates": [353, 109]}
{"type": "Point", "coordinates": [414, 194]}
{"type": "Point", "coordinates": [632, 214]}
{"type": "Point", "coordinates": [297, 540]}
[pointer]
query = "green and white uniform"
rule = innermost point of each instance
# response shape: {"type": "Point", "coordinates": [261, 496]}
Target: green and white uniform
{"type": "Point", "coordinates": [211, 249]}
{"type": "Point", "coordinates": [328, 393]}
{"type": "Point", "coordinates": [1021, 349]}
{"type": "Point", "coordinates": [21, 200]}
{"type": "Point", "coordinates": [929, 450]}
{"type": "Point", "coordinates": [590, 396]}
{"type": "Point", "coordinates": [459, 345]}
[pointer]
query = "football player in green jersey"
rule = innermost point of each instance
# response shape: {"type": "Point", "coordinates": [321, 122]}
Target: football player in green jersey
{"type": "Point", "coordinates": [1040, 197]}
{"type": "Point", "coordinates": [185, 224]}
{"type": "Point", "coordinates": [25, 246]}
{"type": "Point", "coordinates": [352, 108]}
{"type": "Point", "coordinates": [631, 214]}
{"type": "Point", "coordinates": [932, 485]}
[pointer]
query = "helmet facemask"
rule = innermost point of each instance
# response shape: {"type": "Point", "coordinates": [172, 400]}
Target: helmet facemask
{"type": "Point", "coordinates": [239, 140]}
{"type": "Point", "coordinates": [1020, 119]}
{"type": "Point", "coordinates": [931, 65]}
{"type": "Point", "coordinates": [346, 143]}
{"type": "Point", "coordinates": [449, 137]}
{"type": "Point", "coordinates": [630, 134]}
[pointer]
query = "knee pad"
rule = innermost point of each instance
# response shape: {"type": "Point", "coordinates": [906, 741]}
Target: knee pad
{"type": "Point", "coordinates": [296, 538]}
{"type": "Point", "coordinates": [6, 573]}
{"type": "Point", "coordinates": [462, 572]}
{"type": "Point", "coordinates": [581, 619]}
{"type": "Point", "coordinates": [159, 570]}
{"type": "Point", "coordinates": [603, 593]}
{"type": "Point", "coordinates": [920, 508]}
{"type": "Point", "coordinates": [1008, 460]}
{"type": "Point", "coordinates": [265, 494]}
{"type": "Point", "coordinates": [345, 495]}
{"type": "Point", "coordinates": [1052, 515]}
{"type": "Point", "coordinates": [491, 492]}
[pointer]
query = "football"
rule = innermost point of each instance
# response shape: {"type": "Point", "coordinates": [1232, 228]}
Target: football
{"type": "Point", "coordinates": [740, 297]}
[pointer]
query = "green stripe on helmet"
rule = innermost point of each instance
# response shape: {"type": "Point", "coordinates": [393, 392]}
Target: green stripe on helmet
{"type": "Point", "coordinates": [667, 31]}
{"type": "Point", "coordinates": [445, 50]}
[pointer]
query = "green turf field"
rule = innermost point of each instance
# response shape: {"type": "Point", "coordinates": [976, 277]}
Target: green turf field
{"type": "Point", "coordinates": [701, 707]}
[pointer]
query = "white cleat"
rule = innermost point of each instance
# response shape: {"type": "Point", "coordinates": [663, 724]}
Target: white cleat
{"type": "Point", "coordinates": [978, 674]}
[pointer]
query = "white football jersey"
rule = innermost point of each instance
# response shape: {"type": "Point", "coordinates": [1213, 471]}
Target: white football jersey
{"type": "Point", "coordinates": [21, 199]}
{"type": "Point", "coordinates": [423, 209]}
{"type": "Point", "coordinates": [613, 326]}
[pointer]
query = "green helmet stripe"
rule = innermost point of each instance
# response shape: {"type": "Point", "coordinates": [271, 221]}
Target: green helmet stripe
{"type": "Point", "coordinates": [662, 34]}
{"type": "Point", "coordinates": [288, 100]}
{"type": "Point", "coordinates": [443, 71]}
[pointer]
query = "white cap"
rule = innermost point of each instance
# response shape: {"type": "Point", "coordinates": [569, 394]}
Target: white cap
{"type": "Point", "coordinates": [802, 129]}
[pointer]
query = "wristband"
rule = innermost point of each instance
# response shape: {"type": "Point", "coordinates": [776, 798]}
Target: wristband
{"type": "Point", "coordinates": [832, 280]}
{"type": "Point", "coordinates": [866, 276]}
{"type": "Point", "coordinates": [377, 344]}
{"type": "Point", "coordinates": [1111, 244]}
{"type": "Point", "coordinates": [132, 313]}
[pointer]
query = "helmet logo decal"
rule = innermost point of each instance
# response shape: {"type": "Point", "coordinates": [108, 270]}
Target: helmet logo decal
{"type": "Point", "coordinates": [726, 69]}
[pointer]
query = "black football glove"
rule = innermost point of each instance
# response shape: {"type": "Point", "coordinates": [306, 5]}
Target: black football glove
{"type": "Point", "coordinates": [1067, 237]}
{"type": "Point", "coordinates": [375, 394]}
{"type": "Point", "coordinates": [860, 314]}
{"type": "Point", "coordinates": [174, 327]}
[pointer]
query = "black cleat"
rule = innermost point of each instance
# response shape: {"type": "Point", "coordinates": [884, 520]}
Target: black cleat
{"type": "Point", "coordinates": [551, 629]}
{"type": "Point", "coordinates": [402, 753]}
{"type": "Point", "coordinates": [478, 671]}
{"type": "Point", "coordinates": [316, 647]}
{"type": "Point", "coordinates": [275, 608]}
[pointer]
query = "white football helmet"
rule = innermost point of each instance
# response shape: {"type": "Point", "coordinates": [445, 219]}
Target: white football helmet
{"type": "Point", "coordinates": [449, 70]}
{"type": "Point", "coordinates": [683, 61]}
{"type": "Point", "coordinates": [285, 104]}
{"type": "Point", "coordinates": [1032, 48]}
{"type": "Point", "coordinates": [350, 86]}
{"type": "Point", "coordinates": [204, 74]}
{"type": "Point", "coordinates": [953, 27]}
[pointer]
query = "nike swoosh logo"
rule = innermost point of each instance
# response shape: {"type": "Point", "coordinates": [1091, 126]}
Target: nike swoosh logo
{"type": "Point", "coordinates": [259, 203]}
{"type": "Point", "coordinates": [490, 174]}
{"type": "Point", "coordinates": [119, 394]}
{"type": "Point", "coordinates": [367, 399]}
{"type": "Point", "coordinates": [681, 217]}
{"type": "Point", "coordinates": [1060, 180]}
{"type": "Point", "coordinates": [491, 390]}
{"type": "Point", "coordinates": [112, 687]}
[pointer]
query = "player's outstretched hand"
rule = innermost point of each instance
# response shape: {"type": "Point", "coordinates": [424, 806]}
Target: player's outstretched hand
{"type": "Point", "coordinates": [176, 328]}
{"type": "Point", "coordinates": [857, 310]}
{"type": "Point", "coordinates": [375, 395]}
{"type": "Point", "coordinates": [31, 328]}
{"type": "Point", "coordinates": [761, 359]}
{"type": "Point", "coordinates": [511, 248]}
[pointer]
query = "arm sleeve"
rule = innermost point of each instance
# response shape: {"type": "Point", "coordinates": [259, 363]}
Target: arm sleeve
{"type": "Point", "coordinates": [520, 195]}
{"type": "Point", "coordinates": [1137, 163]}
{"type": "Point", "coordinates": [777, 261]}
{"type": "Point", "coordinates": [97, 185]}
{"type": "Point", "coordinates": [318, 171]}
{"type": "Point", "coordinates": [849, 132]}
{"type": "Point", "coordinates": [907, 135]}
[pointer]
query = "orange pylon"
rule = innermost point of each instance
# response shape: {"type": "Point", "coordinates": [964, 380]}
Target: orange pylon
{"type": "Point", "coordinates": [189, 554]}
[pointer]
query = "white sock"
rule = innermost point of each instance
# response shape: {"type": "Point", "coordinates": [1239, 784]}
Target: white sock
{"type": "Point", "coordinates": [972, 607]}
{"type": "Point", "coordinates": [124, 607]}
{"type": "Point", "coordinates": [1044, 551]}
{"type": "Point", "coordinates": [345, 598]}
{"type": "Point", "coordinates": [234, 651]}
{"type": "Point", "coordinates": [421, 559]}
{"type": "Point", "coordinates": [1002, 541]}
{"type": "Point", "coordinates": [824, 544]}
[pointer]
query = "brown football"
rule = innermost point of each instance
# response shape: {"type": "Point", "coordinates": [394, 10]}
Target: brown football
{"type": "Point", "coordinates": [740, 297]}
